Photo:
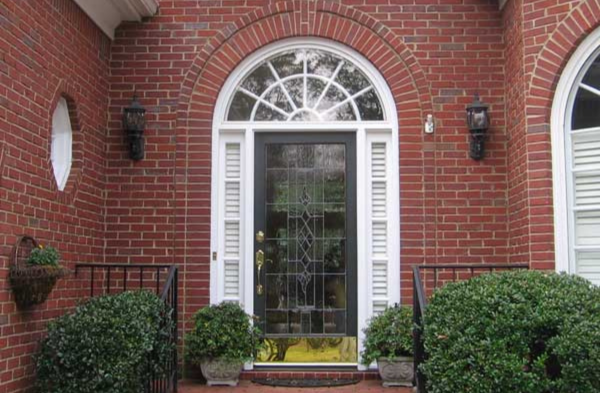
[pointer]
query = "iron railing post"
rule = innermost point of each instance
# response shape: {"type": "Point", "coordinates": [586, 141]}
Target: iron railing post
{"type": "Point", "coordinates": [419, 304]}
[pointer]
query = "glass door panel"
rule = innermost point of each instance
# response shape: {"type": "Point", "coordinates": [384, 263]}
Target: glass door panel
{"type": "Point", "coordinates": [305, 267]}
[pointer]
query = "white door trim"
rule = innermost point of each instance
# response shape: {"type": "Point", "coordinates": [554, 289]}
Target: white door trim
{"type": "Point", "coordinates": [366, 131]}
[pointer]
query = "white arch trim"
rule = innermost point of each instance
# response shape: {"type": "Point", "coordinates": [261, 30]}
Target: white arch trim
{"type": "Point", "coordinates": [560, 126]}
{"type": "Point", "coordinates": [368, 134]}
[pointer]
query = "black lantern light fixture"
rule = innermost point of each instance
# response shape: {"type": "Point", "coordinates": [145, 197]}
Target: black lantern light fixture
{"type": "Point", "coordinates": [478, 122]}
{"type": "Point", "coordinates": [134, 123]}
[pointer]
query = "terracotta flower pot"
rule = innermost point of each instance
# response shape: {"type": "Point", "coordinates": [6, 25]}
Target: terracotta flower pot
{"type": "Point", "coordinates": [221, 372]}
{"type": "Point", "coordinates": [397, 371]}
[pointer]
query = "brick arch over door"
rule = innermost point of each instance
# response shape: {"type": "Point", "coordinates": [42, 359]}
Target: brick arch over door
{"type": "Point", "coordinates": [544, 78]}
{"type": "Point", "coordinates": [221, 55]}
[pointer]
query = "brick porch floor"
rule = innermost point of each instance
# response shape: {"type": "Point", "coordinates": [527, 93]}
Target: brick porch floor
{"type": "Point", "coordinates": [249, 387]}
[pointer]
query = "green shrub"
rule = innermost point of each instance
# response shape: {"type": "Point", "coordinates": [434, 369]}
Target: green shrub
{"type": "Point", "coordinates": [104, 346]}
{"type": "Point", "coordinates": [43, 256]}
{"type": "Point", "coordinates": [222, 331]}
{"type": "Point", "coordinates": [389, 334]}
{"type": "Point", "coordinates": [514, 332]}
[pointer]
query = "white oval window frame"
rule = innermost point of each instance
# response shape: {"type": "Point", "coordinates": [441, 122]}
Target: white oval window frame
{"type": "Point", "coordinates": [61, 146]}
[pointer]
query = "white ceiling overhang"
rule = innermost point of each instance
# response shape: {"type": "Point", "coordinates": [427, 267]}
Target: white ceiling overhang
{"type": "Point", "coordinates": [108, 14]}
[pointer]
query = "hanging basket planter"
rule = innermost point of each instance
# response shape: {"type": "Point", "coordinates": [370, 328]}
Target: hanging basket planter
{"type": "Point", "coordinates": [31, 283]}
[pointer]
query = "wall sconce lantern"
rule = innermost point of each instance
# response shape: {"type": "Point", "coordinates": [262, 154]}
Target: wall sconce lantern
{"type": "Point", "coordinates": [478, 122]}
{"type": "Point", "coordinates": [134, 123]}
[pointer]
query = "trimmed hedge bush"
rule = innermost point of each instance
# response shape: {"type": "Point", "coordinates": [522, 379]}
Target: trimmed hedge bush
{"type": "Point", "coordinates": [514, 332]}
{"type": "Point", "coordinates": [222, 331]}
{"type": "Point", "coordinates": [104, 346]}
{"type": "Point", "coordinates": [389, 334]}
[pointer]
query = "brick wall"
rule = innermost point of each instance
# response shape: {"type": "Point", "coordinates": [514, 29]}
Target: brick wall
{"type": "Point", "coordinates": [518, 204]}
{"type": "Point", "coordinates": [453, 208]}
{"type": "Point", "coordinates": [48, 48]}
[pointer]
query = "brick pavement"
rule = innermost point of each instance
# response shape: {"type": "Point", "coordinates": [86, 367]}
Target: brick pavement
{"type": "Point", "coordinates": [249, 387]}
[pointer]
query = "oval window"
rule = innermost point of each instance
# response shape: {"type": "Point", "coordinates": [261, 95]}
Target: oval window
{"type": "Point", "coordinates": [62, 140]}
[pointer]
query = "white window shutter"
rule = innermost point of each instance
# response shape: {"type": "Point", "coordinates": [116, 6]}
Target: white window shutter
{"type": "Point", "coordinates": [378, 215]}
{"type": "Point", "coordinates": [231, 232]}
{"type": "Point", "coordinates": [585, 204]}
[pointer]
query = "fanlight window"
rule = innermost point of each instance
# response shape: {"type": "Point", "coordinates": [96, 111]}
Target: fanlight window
{"type": "Point", "coordinates": [305, 85]}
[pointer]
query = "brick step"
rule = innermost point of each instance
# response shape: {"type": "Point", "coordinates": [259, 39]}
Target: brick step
{"type": "Point", "coordinates": [310, 373]}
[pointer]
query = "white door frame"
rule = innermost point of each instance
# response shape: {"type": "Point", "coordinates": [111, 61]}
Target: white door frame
{"type": "Point", "coordinates": [367, 132]}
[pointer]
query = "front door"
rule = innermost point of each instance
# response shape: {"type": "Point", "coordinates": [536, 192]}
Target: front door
{"type": "Point", "coordinates": [305, 247]}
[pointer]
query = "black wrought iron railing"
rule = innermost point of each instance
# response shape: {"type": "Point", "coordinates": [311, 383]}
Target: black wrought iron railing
{"type": "Point", "coordinates": [426, 279]}
{"type": "Point", "coordinates": [104, 279]}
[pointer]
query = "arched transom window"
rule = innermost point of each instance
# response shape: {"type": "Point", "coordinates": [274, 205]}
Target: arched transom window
{"type": "Point", "coordinates": [311, 85]}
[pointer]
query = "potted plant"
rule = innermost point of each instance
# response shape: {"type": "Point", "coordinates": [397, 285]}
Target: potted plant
{"type": "Point", "coordinates": [389, 341]}
{"type": "Point", "coordinates": [34, 271]}
{"type": "Point", "coordinates": [222, 340]}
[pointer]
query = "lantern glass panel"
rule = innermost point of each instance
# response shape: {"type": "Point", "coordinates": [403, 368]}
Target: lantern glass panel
{"type": "Point", "coordinates": [480, 119]}
{"type": "Point", "coordinates": [134, 120]}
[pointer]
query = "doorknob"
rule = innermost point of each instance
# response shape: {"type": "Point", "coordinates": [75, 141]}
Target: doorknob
{"type": "Point", "coordinates": [260, 261]}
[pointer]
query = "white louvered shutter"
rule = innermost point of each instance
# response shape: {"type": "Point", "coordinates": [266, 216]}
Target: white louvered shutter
{"type": "Point", "coordinates": [585, 203]}
{"type": "Point", "coordinates": [231, 232]}
{"type": "Point", "coordinates": [379, 241]}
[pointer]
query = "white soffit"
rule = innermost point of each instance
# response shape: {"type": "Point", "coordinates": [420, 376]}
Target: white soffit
{"type": "Point", "coordinates": [108, 14]}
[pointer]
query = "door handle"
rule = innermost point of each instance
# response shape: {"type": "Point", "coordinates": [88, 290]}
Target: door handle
{"type": "Point", "coordinates": [260, 261]}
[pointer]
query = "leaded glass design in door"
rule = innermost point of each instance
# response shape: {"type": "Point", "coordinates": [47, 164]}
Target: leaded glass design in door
{"type": "Point", "coordinates": [305, 286]}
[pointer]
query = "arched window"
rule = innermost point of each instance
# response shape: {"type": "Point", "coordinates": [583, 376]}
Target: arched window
{"type": "Point", "coordinates": [305, 85]}
{"type": "Point", "coordinates": [62, 142]}
{"type": "Point", "coordinates": [576, 148]}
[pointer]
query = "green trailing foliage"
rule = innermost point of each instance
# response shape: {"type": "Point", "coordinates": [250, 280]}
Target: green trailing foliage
{"type": "Point", "coordinates": [222, 331]}
{"type": "Point", "coordinates": [111, 344]}
{"type": "Point", "coordinates": [43, 256]}
{"type": "Point", "coordinates": [523, 331]}
{"type": "Point", "coordinates": [389, 334]}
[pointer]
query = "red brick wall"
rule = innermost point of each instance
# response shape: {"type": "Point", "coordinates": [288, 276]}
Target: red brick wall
{"type": "Point", "coordinates": [48, 48]}
{"type": "Point", "coordinates": [453, 208]}
{"type": "Point", "coordinates": [518, 204]}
